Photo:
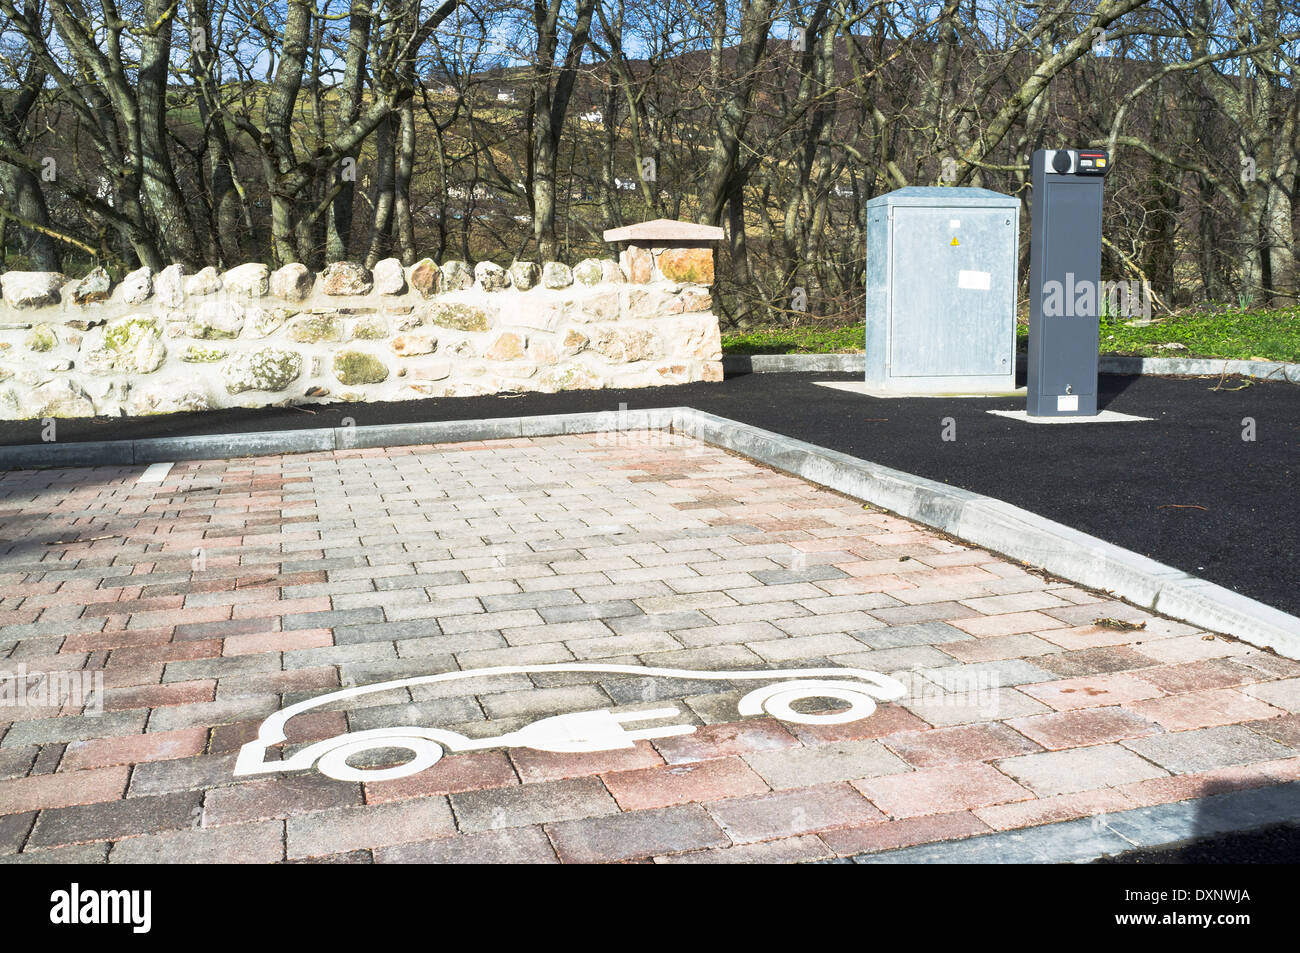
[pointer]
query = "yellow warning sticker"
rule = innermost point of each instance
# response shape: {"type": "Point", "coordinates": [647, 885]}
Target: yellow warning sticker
{"type": "Point", "coordinates": [955, 243]}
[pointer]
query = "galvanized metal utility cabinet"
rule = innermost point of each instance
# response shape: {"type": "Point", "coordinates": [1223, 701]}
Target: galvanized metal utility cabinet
{"type": "Point", "coordinates": [941, 291]}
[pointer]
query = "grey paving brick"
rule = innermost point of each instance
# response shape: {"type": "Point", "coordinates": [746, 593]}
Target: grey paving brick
{"type": "Point", "coordinates": [181, 774]}
{"type": "Point", "coordinates": [78, 855]}
{"type": "Point", "coordinates": [44, 731]}
{"type": "Point", "coordinates": [923, 633]}
{"type": "Point", "coordinates": [838, 761]}
{"type": "Point", "coordinates": [716, 583]}
{"type": "Point", "coordinates": [583, 611]}
{"type": "Point", "coordinates": [1001, 672]}
{"type": "Point", "coordinates": [57, 628]}
{"type": "Point", "coordinates": [684, 602]}
{"type": "Point", "coordinates": [510, 618]}
{"type": "Point", "coordinates": [746, 632]}
{"type": "Point", "coordinates": [855, 603]}
{"type": "Point", "coordinates": [332, 618]}
{"type": "Point", "coordinates": [13, 831]}
{"type": "Point", "coordinates": [384, 600]}
{"type": "Point", "coordinates": [224, 712]}
{"type": "Point", "coordinates": [370, 673]}
{"type": "Point", "coordinates": [758, 612]}
{"type": "Point", "coordinates": [567, 581]}
{"type": "Point", "coordinates": [544, 701]}
{"type": "Point", "coordinates": [433, 713]}
{"type": "Point", "coordinates": [528, 804]}
{"type": "Point", "coordinates": [888, 661]}
{"type": "Point", "coordinates": [224, 628]}
{"type": "Point", "coordinates": [338, 655]}
{"type": "Point", "coordinates": [190, 670]}
{"type": "Point", "coordinates": [16, 762]}
{"type": "Point", "coordinates": [778, 577]}
{"type": "Point", "coordinates": [719, 705]}
{"type": "Point", "coordinates": [1186, 752]}
{"type": "Point", "coordinates": [637, 690]}
{"type": "Point", "coordinates": [516, 845]}
{"type": "Point", "coordinates": [658, 622]}
{"type": "Point", "coordinates": [261, 843]}
{"type": "Point", "coordinates": [636, 835]}
{"type": "Point", "coordinates": [1078, 769]}
{"type": "Point", "coordinates": [111, 820]}
{"type": "Point", "coordinates": [434, 609]}
{"type": "Point", "coordinates": [450, 644]}
{"type": "Point", "coordinates": [855, 621]}
{"type": "Point", "coordinates": [924, 612]}
{"type": "Point", "coordinates": [794, 649]}
{"type": "Point", "coordinates": [618, 645]}
{"type": "Point", "coordinates": [708, 659]}
{"type": "Point", "coordinates": [556, 632]}
{"type": "Point", "coordinates": [530, 600]}
{"type": "Point", "coordinates": [386, 631]}
{"type": "Point", "coordinates": [383, 825]}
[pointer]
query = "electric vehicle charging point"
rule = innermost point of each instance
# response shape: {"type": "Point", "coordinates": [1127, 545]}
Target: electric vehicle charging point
{"type": "Point", "coordinates": [941, 293]}
{"type": "Point", "coordinates": [1065, 281]}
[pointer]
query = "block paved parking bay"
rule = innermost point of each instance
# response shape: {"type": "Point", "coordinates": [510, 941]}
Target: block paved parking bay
{"type": "Point", "coordinates": [147, 630]}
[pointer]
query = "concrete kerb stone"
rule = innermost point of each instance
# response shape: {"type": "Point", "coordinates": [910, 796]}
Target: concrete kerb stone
{"type": "Point", "coordinates": [787, 363]}
{"type": "Point", "coordinates": [1089, 839]}
{"type": "Point", "coordinates": [101, 453]}
{"type": "Point", "coordinates": [980, 520]}
{"type": "Point", "coordinates": [221, 446]}
{"type": "Point", "coordinates": [400, 435]}
{"type": "Point", "coordinates": [1107, 364]}
{"type": "Point", "coordinates": [1199, 367]}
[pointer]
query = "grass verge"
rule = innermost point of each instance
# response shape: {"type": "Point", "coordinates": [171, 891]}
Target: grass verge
{"type": "Point", "coordinates": [1230, 333]}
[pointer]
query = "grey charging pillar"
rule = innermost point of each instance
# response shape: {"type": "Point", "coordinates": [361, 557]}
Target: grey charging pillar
{"type": "Point", "coordinates": [1065, 281]}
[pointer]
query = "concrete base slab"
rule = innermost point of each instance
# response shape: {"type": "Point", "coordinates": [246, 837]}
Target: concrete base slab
{"type": "Point", "coordinates": [868, 390]}
{"type": "Point", "coordinates": [1102, 417]}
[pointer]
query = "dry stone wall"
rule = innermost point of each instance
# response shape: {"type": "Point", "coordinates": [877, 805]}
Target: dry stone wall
{"type": "Point", "coordinates": [166, 342]}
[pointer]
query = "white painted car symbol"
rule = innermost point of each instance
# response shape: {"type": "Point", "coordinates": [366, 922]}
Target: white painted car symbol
{"type": "Point", "coordinates": [599, 730]}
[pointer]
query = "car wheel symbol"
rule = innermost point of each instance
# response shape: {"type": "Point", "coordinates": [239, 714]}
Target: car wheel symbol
{"type": "Point", "coordinates": [334, 763]}
{"type": "Point", "coordinates": [778, 700]}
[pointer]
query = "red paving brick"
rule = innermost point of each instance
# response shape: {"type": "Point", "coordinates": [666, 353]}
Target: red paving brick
{"type": "Point", "coordinates": [906, 832]}
{"type": "Point", "coordinates": [134, 749]}
{"type": "Point", "coordinates": [941, 790]}
{"type": "Point", "coordinates": [556, 766]}
{"type": "Point", "coordinates": [941, 746]}
{"type": "Point", "coordinates": [62, 790]}
{"type": "Point", "coordinates": [667, 785]}
{"type": "Point", "coordinates": [635, 835]}
{"type": "Point", "coordinates": [887, 720]}
{"type": "Point", "coordinates": [719, 741]}
{"type": "Point", "coordinates": [474, 771]}
{"type": "Point", "coordinates": [1203, 709]}
{"type": "Point", "coordinates": [254, 644]}
{"type": "Point", "coordinates": [790, 813]}
{"type": "Point", "coordinates": [159, 696]}
{"type": "Point", "coordinates": [1091, 691]}
{"type": "Point", "coordinates": [1088, 726]}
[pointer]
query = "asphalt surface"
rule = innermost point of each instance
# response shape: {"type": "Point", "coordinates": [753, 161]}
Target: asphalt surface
{"type": "Point", "coordinates": [1185, 488]}
{"type": "Point", "coordinates": [1279, 844]}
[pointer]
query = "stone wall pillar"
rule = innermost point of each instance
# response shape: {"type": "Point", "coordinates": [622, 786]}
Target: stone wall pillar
{"type": "Point", "coordinates": [665, 250]}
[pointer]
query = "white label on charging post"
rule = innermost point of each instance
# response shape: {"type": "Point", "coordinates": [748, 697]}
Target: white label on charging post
{"type": "Point", "coordinates": [1067, 402]}
{"type": "Point", "coordinates": [974, 280]}
{"type": "Point", "coordinates": [954, 223]}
